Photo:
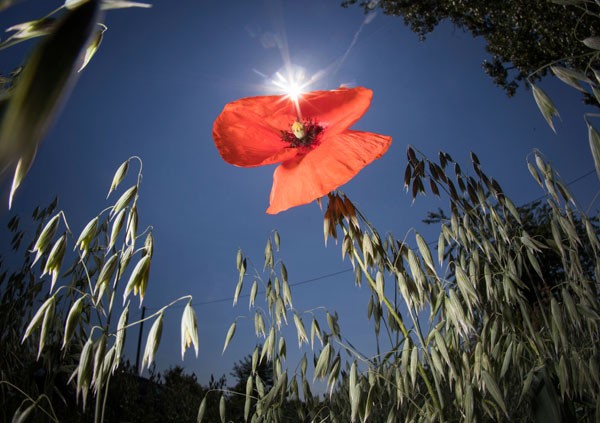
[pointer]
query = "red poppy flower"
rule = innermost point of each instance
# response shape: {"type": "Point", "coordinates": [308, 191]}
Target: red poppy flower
{"type": "Point", "coordinates": [318, 153]}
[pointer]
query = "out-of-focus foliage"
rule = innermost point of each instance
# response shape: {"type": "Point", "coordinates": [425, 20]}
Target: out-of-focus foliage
{"type": "Point", "coordinates": [31, 96]}
{"type": "Point", "coordinates": [521, 36]}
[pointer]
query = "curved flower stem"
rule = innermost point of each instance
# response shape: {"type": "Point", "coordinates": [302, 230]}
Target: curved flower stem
{"type": "Point", "coordinates": [104, 399]}
{"type": "Point", "coordinates": [404, 331]}
{"type": "Point", "coordinates": [160, 310]}
{"type": "Point", "coordinates": [52, 416]}
{"type": "Point", "coordinates": [547, 65]}
{"type": "Point", "coordinates": [384, 298]}
{"type": "Point", "coordinates": [83, 265]}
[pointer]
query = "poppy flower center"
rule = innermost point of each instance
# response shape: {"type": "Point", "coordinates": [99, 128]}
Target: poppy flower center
{"type": "Point", "coordinates": [303, 134]}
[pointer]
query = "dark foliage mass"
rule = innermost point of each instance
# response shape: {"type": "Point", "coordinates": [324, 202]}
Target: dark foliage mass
{"type": "Point", "coordinates": [522, 37]}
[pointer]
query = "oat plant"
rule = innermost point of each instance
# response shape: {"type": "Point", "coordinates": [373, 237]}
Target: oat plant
{"type": "Point", "coordinates": [499, 324]}
{"type": "Point", "coordinates": [110, 266]}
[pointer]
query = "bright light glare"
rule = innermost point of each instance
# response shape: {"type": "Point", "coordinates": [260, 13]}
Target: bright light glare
{"type": "Point", "coordinates": [292, 84]}
{"type": "Point", "coordinates": [294, 91]}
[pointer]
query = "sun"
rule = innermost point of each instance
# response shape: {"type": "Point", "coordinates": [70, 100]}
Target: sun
{"type": "Point", "coordinates": [292, 82]}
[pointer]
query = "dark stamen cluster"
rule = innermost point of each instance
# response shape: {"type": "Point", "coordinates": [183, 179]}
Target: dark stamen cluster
{"type": "Point", "coordinates": [311, 136]}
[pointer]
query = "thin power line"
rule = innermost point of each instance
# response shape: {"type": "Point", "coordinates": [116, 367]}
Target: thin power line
{"type": "Point", "coordinates": [315, 279]}
{"type": "Point", "coordinates": [339, 272]}
{"type": "Point", "coordinates": [579, 178]}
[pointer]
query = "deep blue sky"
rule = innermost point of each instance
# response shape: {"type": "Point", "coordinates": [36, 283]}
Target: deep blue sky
{"type": "Point", "coordinates": [161, 77]}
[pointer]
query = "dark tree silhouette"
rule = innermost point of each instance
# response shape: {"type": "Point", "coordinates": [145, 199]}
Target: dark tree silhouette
{"type": "Point", "coordinates": [521, 36]}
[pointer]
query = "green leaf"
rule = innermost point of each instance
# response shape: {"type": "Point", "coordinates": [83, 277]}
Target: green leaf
{"type": "Point", "coordinates": [138, 278]}
{"type": "Point", "coordinates": [22, 414]}
{"type": "Point", "coordinates": [93, 46]}
{"type": "Point", "coordinates": [120, 4]}
{"type": "Point", "coordinates": [545, 105]}
{"type": "Point", "coordinates": [322, 362]}
{"type": "Point", "coordinates": [84, 370]}
{"type": "Point", "coordinates": [469, 404]}
{"type": "Point", "coordinates": [47, 323]}
{"type": "Point", "coordinates": [230, 334]}
{"type": "Point", "coordinates": [594, 139]}
{"type": "Point", "coordinates": [494, 390]}
{"type": "Point", "coordinates": [557, 317]}
{"type": "Point", "coordinates": [354, 392]}
{"type": "Point", "coordinates": [287, 294]}
{"type": "Point", "coordinates": [238, 290]}
{"type": "Point", "coordinates": [152, 342]}
{"type": "Point", "coordinates": [55, 258]}
{"type": "Point", "coordinates": [124, 200]}
{"type": "Point", "coordinates": [268, 255]}
{"type": "Point", "coordinates": [570, 77]}
{"type": "Point", "coordinates": [414, 363]}
{"type": "Point", "coordinates": [253, 292]}
{"type": "Point", "coordinates": [28, 30]}
{"type": "Point", "coordinates": [36, 321]}
{"type": "Point", "coordinates": [222, 409]}
{"type": "Point", "coordinates": [43, 241]}
{"type": "Point", "coordinates": [441, 248]}
{"type": "Point", "coordinates": [534, 173]}
{"type": "Point", "coordinates": [87, 234]}
{"type": "Point", "coordinates": [379, 286]}
{"type": "Point", "coordinates": [425, 253]}
{"type": "Point", "coordinates": [118, 176]}
{"type": "Point", "coordinates": [506, 361]}
{"type": "Point", "coordinates": [107, 4]}
{"type": "Point", "coordinates": [315, 330]}
{"type": "Point", "coordinates": [131, 227]}
{"type": "Point", "coordinates": [259, 324]}
{"type": "Point", "coordinates": [189, 329]}
{"type": "Point", "coordinates": [120, 335]}
{"type": "Point", "coordinates": [592, 42]}
{"type": "Point", "coordinates": [248, 400]}
{"type": "Point", "coordinates": [72, 320]}
{"type": "Point", "coordinates": [302, 337]}
{"type": "Point", "coordinates": [107, 271]}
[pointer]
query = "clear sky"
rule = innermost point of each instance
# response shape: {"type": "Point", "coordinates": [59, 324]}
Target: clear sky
{"type": "Point", "coordinates": [161, 77]}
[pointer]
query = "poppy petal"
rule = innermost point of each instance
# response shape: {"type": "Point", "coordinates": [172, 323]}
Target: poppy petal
{"type": "Point", "coordinates": [248, 131]}
{"type": "Point", "coordinates": [338, 109]}
{"type": "Point", "coordinates": [337, 160]}
{"type": "Point", "coordinates": [244, 138]}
